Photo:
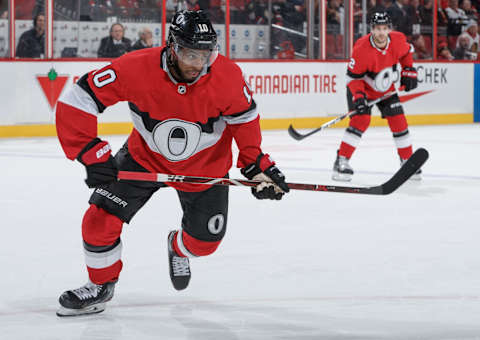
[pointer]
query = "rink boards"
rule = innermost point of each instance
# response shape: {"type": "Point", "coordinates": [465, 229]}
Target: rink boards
{"type": "Point", "coordinates": [303, 93]}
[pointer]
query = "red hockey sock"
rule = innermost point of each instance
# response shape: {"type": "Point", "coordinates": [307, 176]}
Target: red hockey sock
{"type": "Point", "coordinates": [358, 125]}
{"type": "Point", "coordinates": [399, 127]}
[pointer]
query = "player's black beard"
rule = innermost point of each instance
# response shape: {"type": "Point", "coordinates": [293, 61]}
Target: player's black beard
{"type": "Point", "coordinates": [175, 71]}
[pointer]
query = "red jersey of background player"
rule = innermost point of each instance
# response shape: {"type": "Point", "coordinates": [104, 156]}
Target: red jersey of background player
{"type": "Point", "coordinates": [179, 128]}
{"type": "Point", "coordinates": [372, 70]}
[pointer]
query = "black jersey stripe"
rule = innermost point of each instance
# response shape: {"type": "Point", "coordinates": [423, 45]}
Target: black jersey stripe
{"type": "Point", "coordinates": [400, 134]}
{"type": "Point", "coordinates": [100, 249]}
{"type": "Point", "coordinates": [83, 83]}
{"type": "Point", "coordinates": [252, 107]}
{"type": "Point", "coordinates": [354, 131]}
{"type": "Point", "coordinates": [150, 123]}
{"type": "Point", "coordinates": [355, 75]}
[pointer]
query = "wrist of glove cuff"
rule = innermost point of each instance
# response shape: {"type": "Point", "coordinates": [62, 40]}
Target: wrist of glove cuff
{"type": "Point", "coordinates": [273, 184]}
{"type": "Point", "coordinates": [409, 78]}
{"type": "Point", "coordinates": [360, 103]}
{"type": "Point", "coordinates": [99, 163]}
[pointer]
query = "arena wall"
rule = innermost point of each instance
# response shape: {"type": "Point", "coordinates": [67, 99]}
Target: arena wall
{"type": "Point", "coordinates": [303, 93]}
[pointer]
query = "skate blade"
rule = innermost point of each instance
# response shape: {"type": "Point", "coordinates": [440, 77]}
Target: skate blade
{"type": "Point", "coordinates": [98, 308]}
{"type": "Point", "coordinates": [341, 177]}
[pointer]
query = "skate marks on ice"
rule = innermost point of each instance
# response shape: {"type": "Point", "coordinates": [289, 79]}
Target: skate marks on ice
{"type": "Point", "coordinates": [329, 317]}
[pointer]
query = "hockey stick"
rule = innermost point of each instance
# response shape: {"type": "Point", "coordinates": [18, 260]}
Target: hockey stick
{"type": "Point", "coordinates": [414, 163]}
{"type": "Point", "coordinates": [298, 136]}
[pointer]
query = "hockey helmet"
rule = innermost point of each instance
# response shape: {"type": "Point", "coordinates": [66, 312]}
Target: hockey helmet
{"type": "Point", "coordinates": [380, 18]}
{"type": "Point", "coordinates": [189, 32]}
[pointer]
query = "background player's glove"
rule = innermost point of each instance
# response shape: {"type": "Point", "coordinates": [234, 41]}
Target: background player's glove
{"type": "Point", "coordinates": [409, 78]}
{"type": "Point", "coordinates": [273, 184]}
{"type": "Point", "coordinates": [360, 103]}
{"type": "Point", "coordinates": [100, 165]}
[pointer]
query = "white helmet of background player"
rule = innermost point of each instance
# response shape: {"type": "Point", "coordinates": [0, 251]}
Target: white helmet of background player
{"type": "Point", "coordinates": [191, 39]}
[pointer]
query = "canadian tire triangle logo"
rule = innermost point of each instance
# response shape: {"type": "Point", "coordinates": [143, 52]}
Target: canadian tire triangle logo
{"type": "Point", "coordinates": [52, 85]}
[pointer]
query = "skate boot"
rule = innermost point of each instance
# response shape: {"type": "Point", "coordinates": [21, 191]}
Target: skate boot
{"type": "Point", "coordinates": [179, 266]}
{"type": "Point", "coordinates": [417, 176]}
{"type": "Point", "coordinates": [342, 171]}
{"type": "Point", "coordinates": [88, 299]}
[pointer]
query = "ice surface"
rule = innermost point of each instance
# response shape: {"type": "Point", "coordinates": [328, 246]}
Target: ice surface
{"type": "Point", "coordinates": [312, 266]}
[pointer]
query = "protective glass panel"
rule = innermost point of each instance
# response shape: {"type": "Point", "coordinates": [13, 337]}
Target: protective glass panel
{"type": "Point", "coordinates": [289, 27]}
{"type": "Point", "coordinates": [335, 37]}
{"type": "Point", "coordinates": [249, 29]}
{"type": "Point", "coordinates": [104, 28]}
{"type": "Point", "coordinates": [30, 29]}
{"type": "Point", "coordinates": [457, 30]}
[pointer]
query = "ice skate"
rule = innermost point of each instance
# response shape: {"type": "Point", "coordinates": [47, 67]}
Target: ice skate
{"type": "Point", "coordinates": [179, 266]}
{"type": "Point", "coordinates": [342, 171]}
{"type": "Point", "coordinates": [88, 299]}
{"type": "Point", "coordinates": [417, 176]}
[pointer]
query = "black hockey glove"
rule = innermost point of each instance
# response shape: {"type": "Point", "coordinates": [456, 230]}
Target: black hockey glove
{"type": "Point", "coordinates": [273, 184]}
{"type": "Point", "coordinates": [360, 104]}
{"type": "Point", "coordinates": [409, 78]}
{"type": "Point", "coordinates": [100, 165]}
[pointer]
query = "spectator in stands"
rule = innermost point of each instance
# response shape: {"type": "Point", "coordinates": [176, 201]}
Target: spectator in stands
{"type": "Point", "coordinates": [145, 39]}
{"type": "Point", "coordinates": [415, 4]}
{"type": "Point", "coordinates": [293, 16]}
{"type": "Point", "coordinates": [217, 15]}
{"type": "Point", "coordinates": [255, 13]}
{"type": "Point", "coordinates": [3, 9]}
{"type": "Point", "coordinates": [32, 42]}
{"type": "Point", "coordinates": [442, 18]}
{"type": "Point", "coordinates": [394, 12]}
{"type": "Point", "coordinates": [462, 52]}
{"type": "Point", "coordinates": [421, 50]}
{"type": "Point", "coordinates": [456, 18]}
{"type": "Point", "coordinates": [470, 12]}
{"type": "Point", "coordinates": [425, 13]}
{"type": "Point", "coordinates": [471, 34]}
{"type": "Point", "coordinates": [406, 20]}
{"type": "Point", "coordinates": [237, 11]}
{"type": "Point", "coordinates": [115, 44]}
{"type": "Point", "coordinates": [443, 52]}
{"type": "Point", "coordinates": [333, 12]}
{"type": "Point", "coordinates": [373, 7]}
{"type": "Point", "coordinates": [286, 50]}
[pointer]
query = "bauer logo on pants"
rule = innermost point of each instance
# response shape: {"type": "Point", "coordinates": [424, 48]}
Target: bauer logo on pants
{"type": "Point", "coordinates": [111, 196]}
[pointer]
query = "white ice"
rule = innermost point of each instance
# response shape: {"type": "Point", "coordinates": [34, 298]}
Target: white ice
{"type": "Point", "coordinates": [313, 266]}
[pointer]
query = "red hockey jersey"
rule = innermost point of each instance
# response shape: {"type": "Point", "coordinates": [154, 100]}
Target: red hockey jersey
{"type": "Point", "coordinates": [184, 129]}
{"type": "Point", "coordinates": [373, 71]}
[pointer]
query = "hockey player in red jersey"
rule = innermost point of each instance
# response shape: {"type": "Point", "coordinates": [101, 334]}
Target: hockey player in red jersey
{"type": "Point", "coordinates": [371, 73]}
{"type": "Point", "coordinates": [187, 104]}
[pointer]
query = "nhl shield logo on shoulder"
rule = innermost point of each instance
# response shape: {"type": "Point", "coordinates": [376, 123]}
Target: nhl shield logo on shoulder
{"type": "Point", "coordinates": [182, 89]}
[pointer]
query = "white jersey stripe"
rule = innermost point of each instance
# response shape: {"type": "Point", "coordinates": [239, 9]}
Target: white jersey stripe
{"type": "Point", "coordinates": [403, 141]}
{"type": "Point", "coordinates": [244, 118]}
{"type": "Point", "coordinates": [351, 139]}
{"type": "Point", "coordinates": [181, 246]}
{"type": "Point", "coordinates": [103, 260]}
{"type": "Point", "coordinates": [79, 99]}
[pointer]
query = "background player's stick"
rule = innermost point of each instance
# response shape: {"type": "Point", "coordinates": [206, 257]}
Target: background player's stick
{"type": "Point", "coordinates": [298, 136]}
{"type": "Point", "coordinates": [414, 163]}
